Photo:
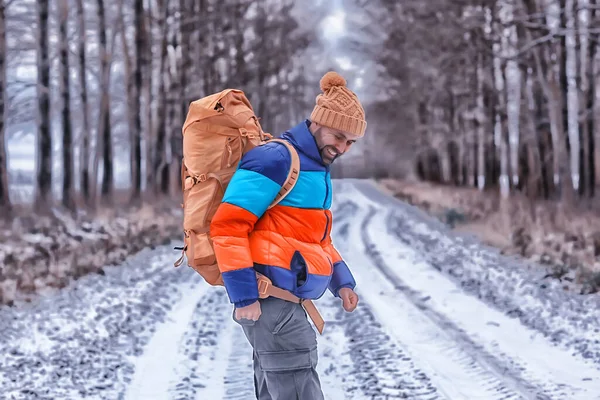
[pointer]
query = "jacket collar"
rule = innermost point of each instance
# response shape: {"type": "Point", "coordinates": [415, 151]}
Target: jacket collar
{"type": "Point", "coordinates": [304, 141]}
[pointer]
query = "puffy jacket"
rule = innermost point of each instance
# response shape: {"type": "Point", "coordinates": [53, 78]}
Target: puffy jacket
{"type": "Point", "coordinates": [289, 243]}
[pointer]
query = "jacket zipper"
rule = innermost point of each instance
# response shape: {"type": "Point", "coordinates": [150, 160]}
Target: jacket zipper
{"type": "Point", "coordinates": [326, 189]}
{"type": "Point", "coordinates": [324, 203]}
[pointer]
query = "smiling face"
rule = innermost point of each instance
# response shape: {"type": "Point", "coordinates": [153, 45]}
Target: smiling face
{"type": "Point", "coordinates": [332, 143]}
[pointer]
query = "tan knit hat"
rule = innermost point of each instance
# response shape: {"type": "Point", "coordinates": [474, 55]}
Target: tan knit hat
{"type": "Point", "coordinates": [338, 107]}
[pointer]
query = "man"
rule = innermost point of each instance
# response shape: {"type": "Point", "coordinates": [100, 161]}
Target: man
{"type": "Point", "coordinates": [289, 243]}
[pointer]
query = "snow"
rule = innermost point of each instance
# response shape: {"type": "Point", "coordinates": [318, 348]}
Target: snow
{"type": "Point", "coordinates": [440, 317]}
{"type": "Point", "coordinates": [535, 355]}
{"type": "Point", "coordinates": [520, 358]}
{"type": "Point", "coordinates": [152, 379]}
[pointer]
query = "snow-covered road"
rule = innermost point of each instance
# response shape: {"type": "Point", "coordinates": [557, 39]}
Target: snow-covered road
{"type": "Point", "coordinates": [440, 317]}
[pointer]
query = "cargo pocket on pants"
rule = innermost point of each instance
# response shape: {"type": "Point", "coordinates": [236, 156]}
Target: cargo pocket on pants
{"type": "Point", "coordinates": [287, 360]}
{"type": "Point", "coordinates": [285, 316]}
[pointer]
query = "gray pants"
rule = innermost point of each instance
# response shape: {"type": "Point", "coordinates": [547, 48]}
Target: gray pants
{"type": "Point", "coordinates": [285, 352]}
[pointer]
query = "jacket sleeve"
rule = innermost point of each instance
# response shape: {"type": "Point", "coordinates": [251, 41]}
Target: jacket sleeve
{"type": "Point", "coordinates": [341, 277]}
{"type": "Point", "coordinates": [255, 184]}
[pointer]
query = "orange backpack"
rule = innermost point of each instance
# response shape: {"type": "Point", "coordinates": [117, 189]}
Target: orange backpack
{"type": "Point", "coordinates": [218, 131]}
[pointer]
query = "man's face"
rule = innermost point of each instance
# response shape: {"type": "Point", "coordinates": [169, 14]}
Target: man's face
{"type": "Point", "coordinates": [332, 143]}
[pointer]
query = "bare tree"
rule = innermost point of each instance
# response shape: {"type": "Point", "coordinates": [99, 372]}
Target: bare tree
{"type": "Point", "coordinates": [44, 152]}
{"type": "Point", "coordinates": [551, 87]}
{"type": "Point", "coordinates": [5, 204]}
{"type": "Point", "coordinates": [523, 69]}
{"type": "Point", "coordinates": [173, 91]}
{"type": "Point", "coordinates": [104, 130]}
{"type": "Point", "coordinates": [173, 52]}
{"type": "Point", "coordinates": [480, 123]}
{"type": "Point", "coordinates": [67, 142]}
{"type": "Point", "coordinates": [500, 120]}
{"type": "Point", "coordinates": [140, 61]}
{"type": "Point", "coordinates": [84, 153]}
{"type": "Point", "coordinates": [148, 84]}
{"type": "Point", "coordinates": [572, 95]}
{"type": "Point", "coordinates": [159, 163]}
{"type": "Point", "coordinates": [588, 39]}
{"type": "Point", "coordinates": [129, 88]}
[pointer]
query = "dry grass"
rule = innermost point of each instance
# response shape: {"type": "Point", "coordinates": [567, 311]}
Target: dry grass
{"type": "Point", "coordinates": [40, 251]}
{"type": "Point", "coordinates": [566, 241]}
{"type": "Point", "coordinates": [439, 198]}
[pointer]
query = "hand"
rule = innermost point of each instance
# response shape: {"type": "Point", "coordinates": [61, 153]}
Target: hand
{"type": "Point", "coordinates": [349, 299]}
{"type": "Point", "coordinates": [251, 312]}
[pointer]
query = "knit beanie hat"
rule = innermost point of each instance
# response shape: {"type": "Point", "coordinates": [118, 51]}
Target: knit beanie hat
{"type": "Point", "coordinates": [338, 107]}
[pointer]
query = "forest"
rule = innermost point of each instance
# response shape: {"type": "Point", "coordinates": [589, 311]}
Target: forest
{"type": "Point", "coordinates": [492, 94]}
{"type": "Point", "coordinates": [488, 93]}
{"type": "Point", "coordinates": [98, 80]}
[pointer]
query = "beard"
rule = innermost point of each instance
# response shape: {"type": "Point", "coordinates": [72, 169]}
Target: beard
{"type": "Point", "coordinates": [323, 149]}
{"type": "Point", "coordinates": [326, 156]}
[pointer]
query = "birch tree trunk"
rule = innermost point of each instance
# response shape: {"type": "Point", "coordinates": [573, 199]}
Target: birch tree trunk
{"type": "Point", "coordinates": [563, 176]}
{"type": "Point", "coordinates": [67, 142]}
{"type": "Point", "coordinates": [84, 154]}
{"type": "Point", "coordinates": [5, 204]}
{"type": "Point", "coordinates": [173, 103]}
{"type": "Point", "coordinates": [499, 128]}
{"type": "Point", "coordinates": [480, 126]}
{"type": "Point", "coordinates": [512, 79]}
{"type": "Point", "coordinates": [129, 89]}
{"type": "Point", "coordinates": [500, 51]}
{"type": "Point", "coordinates": [549, 81]}
{"type": "Point", "coordinates": [513, 111]}
{"type": "Point", "coordinates": [572, 96]}
{"type": "Point", "coordinates": [44, 142]}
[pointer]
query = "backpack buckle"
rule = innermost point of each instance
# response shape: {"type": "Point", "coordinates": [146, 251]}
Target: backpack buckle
{"type": "Point", "coordinates": [244, 133]}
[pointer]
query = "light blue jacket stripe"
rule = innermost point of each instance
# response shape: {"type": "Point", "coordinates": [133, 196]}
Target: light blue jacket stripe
{"type": "Point", "coordinates": [329, 193]}
{"type": "Point", "coordinates": [309, 191]}
{"type": "Point", "coordinates": [251, 190]}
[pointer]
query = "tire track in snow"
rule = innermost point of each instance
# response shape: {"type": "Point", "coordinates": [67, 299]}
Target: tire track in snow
{"type": "Point", "coordinates": [456, 371]}
{"type": "Point", "coordinates": [511, 343]}
{"type": "Point", "coordinates": [521, 288]}
{"type": "Point", "coordinates": [356, 361]}
{"type": "Point", "coordinates": [161, 359]}
{"type": "Point", "coordinates": [82, 341]}
{"type": "Point", "coordinates": [200, 347]}
{"type": "Point", "coordinates": [361, 358]}
{"type": "Point", "coordinates": [239, 377]}
{"type": "Point", "coordinates": [505, 342]}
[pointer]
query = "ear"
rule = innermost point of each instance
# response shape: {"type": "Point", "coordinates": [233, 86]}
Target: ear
{"type": "Point", "coordinates": [313, 127]}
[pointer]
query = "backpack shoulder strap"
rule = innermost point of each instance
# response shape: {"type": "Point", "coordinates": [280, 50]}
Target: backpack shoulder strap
{"type": "Point", "coordinates": [292, 175]}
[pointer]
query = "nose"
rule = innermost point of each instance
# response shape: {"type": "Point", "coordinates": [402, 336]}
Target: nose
{"type": "Point", "coordinates": [340, 147]}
